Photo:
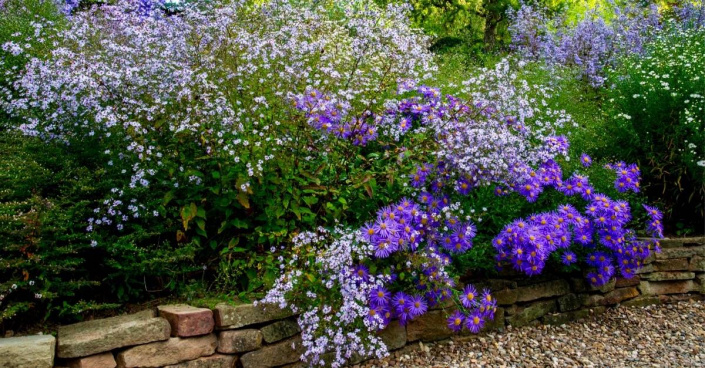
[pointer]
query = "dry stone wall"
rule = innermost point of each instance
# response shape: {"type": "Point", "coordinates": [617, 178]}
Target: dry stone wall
{"type": "Point", "coordinates": [248, 336]}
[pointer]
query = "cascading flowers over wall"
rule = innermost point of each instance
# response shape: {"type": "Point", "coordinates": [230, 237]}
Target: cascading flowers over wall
{"type": "Point", "coordinates": [349, 283]}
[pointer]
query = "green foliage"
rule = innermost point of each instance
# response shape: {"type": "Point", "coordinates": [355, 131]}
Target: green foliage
{"type": "Point", "coordinates": [659, 121]}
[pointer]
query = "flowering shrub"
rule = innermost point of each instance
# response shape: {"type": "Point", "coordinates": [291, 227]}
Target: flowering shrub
{"type": "Point", "coordinates": [193, 118]}
{"type": "Point", "coordinates": [591, 46]}
{"type": "Point", "coordinates": [350, 283]}
{"type": "Point", "coordinates": [659, 109]}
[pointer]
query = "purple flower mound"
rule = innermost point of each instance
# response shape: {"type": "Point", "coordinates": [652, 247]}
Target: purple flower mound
{"type": "Point", "coordinates": [527, 243]}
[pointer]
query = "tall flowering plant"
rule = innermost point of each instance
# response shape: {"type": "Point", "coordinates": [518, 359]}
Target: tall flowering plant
{"type": "Point", "coordinates": [190, 115]}
{"type": "Point", "coordinates": [592, 45]}
{"type": "Point", "coordinates": [354, 281]}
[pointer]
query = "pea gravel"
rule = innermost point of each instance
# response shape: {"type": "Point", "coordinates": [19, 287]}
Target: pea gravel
{"type": "Point", "coordinates": [670, 335]}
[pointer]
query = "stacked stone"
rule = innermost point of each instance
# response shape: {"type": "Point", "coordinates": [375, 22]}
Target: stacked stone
{"type": "Point", "coordinates": [251, 336]}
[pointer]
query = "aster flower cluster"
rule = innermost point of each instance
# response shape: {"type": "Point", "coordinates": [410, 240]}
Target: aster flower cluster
{"type": "Point", "coordinates": [527, 243]}
{"type": "Point", "coordinates": [213, 81]}
{"type": "Point", "coordinates": [592, 45]}
{"type": "Point", "coordinates": [495, 138]}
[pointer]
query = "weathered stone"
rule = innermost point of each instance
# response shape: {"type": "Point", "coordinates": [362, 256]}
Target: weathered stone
{"type": "Point", "coordinates": [670, 253]}
{"type": "Point", "coordinates": [280, 330]}
{"type": "Point", "coordinates": [669, 276]}
{"type": "Point", "coordinates": [542, 290]}
{"type": "Point", "coordinates": [213, 361]}
{"type": "Point", "coordinates": [240, 341]}
{"type": "Point", "coordinates": [641, 301]}
{"type": "Point", "coordinates": [697, 264]}
{"type": "Point", "coordinates": [230, 317]}
{"type": "Point", "coordinates": [699, 283]}
{"type": "Point", "coordinates": [428, 327]}
{"type": "Point", "coordinates": [621, 282]}
{"type": "Point", "coordinates": [506, 296]}
{"type": "Point", "coordinates": [677, 298]}
{"type": "Point", "coordinates": [562, 318]}
{"type": "Point", "coordinates": [598, 310]}
{"type": "Point", "coordinates": [593, 300]}
{"type": "Point", "coordinates": [285, 352]}
{"type": "Point", "coordinates": [682, 242]}
{"type": "Point", "coordinates": [511, 310]}
{"type": "Point", "coordinates": [618, 295]}
{"type": "Point", "coordinates": [676, 264]}
{"type": "Point", "coordinates": [104, 360]}
{"type": "Point", "coordinates": [667, 287]}
{"type": "Point", "coordinates": [498, 321]}
{"type": "Point", "coordinates": [645, 269]}
{"type": "Point", "coordinates": [495, 284]}
{"type": "Point", "coordinates": [569, 302]}
{"type": "Point", "coordinates": [394, 335]}
{"type": "Point", "coordinates": [606, 288]}
{"type": "Point", "coordinates": [579, 285]}
{"type": "Point", "coordinates": [532, 312]}
{"type": "Point", "coordinates": [187, 321]}
{"type": "Point", "coordinates": [172, 351]}
{"type": "Point", "coordinates": [101, 335]}
{"type": "Point", "coordinates": [27, 351]}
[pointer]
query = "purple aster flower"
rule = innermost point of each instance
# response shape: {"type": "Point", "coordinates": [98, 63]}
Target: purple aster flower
{"type": "Point", "coordinates": [400, 301]}
{"type": "Point", "coordinates": [469, 297]}
{"type": "Point", "coordinates": [379, 296]}
{"type": "Point", "coordinates": [361, 272]}
{"type": "Point", "coordinates": [418, 306]}
{"type": "Point", "coordinates": [456, 321]}
{"type": "Point", "coordinates": [474, 322]}
{"type": "Point", "coordinates": [653, 212]}
{"type": "Point", "coordinates": [585, 160]}
{"type": "Point", "coordinates": [569, 258]}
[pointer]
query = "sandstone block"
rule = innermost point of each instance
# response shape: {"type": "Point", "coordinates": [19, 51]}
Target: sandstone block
{"type": "Point", "coordinates": [428, 327]}
{"type": "Point", "coordinates": [682, 242]}
{"type": "Point", "coordinates": [542, 290]}
{"type": "Point", "coordinates": [700, 283]}
{"type": "Point", "coordinates": [667, 287]}
{"type": "Point", "coordinates": [172, 351]}
{"type": "Point", "coordinates": [284, 352]}
{"type": "Point", "coordinates": [27, 351]}
{"type": "Point", "coordinates": [240, 341]}
{"type": "Point", "coordinates": [104, 360]}
{"type": "Point", "coordinates": [101, 335]}
{"type": "Point", "coordinates": [675, 264]}
{"type": "Point", "coordinates": [231, 317]}
{"type": "Point", "coordinates": [569, 302]}
{"type": "Point", "coordinates": [697, 264]}
{"type": "Point", "coordinates": [187, 321]}
{"type": "Point", "coordinates": [280, 330]}
{"type": "Point", "coordinates": [593, 300]}
{"type": "Point", "coordinates": [213, 361]}
{"type": "Point", "coordinates": [669, 276]}
{"type": "Point", "coordinates": [621, 282]}
{"type": "Point", "coordinates": [645, 269]}
{"type": "Point", "coordinates": [506, 296]}
{"type": "Point", "coordinates": [618, 295]}
{"type": "Point", "coordinates": [532, 313]}
{"type": "Point", "coordinates": [685, 252]}
{"type": "Point", "coordinates": [394, 335]}
{"type": "Point", "coordinates": [606, 288]}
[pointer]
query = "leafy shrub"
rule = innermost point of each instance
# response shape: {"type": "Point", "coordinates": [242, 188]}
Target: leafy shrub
{"type": "Point", "coordinates": [43, 249]}
{"type": "Point", "coordinates": [350, 282]}
{"type": "Point", "coordinates": [189, 119]}
{"type": "Point", "coordinates": [659, 110]}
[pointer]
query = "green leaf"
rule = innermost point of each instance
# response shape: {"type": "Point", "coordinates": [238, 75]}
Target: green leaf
{"type": "Point", "coordinates": [215, 174]}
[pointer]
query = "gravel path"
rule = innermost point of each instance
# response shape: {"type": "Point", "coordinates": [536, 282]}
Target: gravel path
{"type": "Point", "coordinates": [671, 335]}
